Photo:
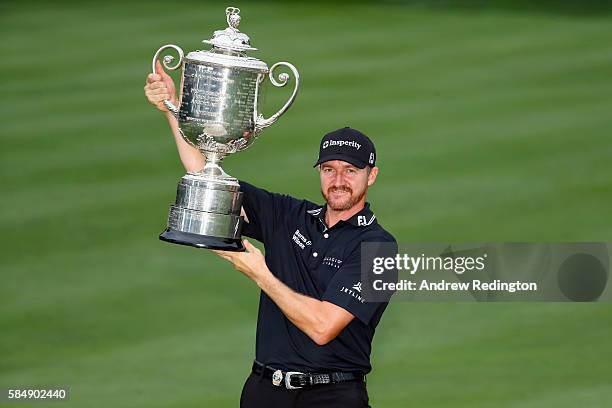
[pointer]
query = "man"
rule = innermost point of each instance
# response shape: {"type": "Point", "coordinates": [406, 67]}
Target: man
{"type": "Point", "coordinates": [314, 329]}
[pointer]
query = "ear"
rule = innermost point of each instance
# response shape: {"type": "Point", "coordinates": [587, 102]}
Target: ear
{"type": "Point", "coordinates": [372, 176]}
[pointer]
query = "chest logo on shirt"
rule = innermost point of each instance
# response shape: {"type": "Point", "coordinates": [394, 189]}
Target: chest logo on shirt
{"type": "Point", "coordinates": [362, 221]}
{"type": "Point", "coordinates": [333, 262]}
{"type": "Point", "coordinates": [300, 239]}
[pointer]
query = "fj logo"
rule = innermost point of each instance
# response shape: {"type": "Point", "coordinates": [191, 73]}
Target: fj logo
{"type": "Point", "coordinates": [362, 221]}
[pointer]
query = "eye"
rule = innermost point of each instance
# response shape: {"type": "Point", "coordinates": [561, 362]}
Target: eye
{"type": "Point", "coordinates": [327, 170]}
{"type": "Point", "coordinates": [350, 171]}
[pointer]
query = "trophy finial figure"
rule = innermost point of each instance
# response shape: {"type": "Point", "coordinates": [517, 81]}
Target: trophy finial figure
{"type": "Point", "coordinates": [233, 17]}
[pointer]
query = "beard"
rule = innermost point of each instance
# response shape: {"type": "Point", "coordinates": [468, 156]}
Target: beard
{"type": "Point", "coordinates": [344, 201]}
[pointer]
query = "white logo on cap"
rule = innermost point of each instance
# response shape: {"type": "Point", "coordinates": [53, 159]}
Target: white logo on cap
{"type": "Point", "coordinates": [371, 158]}
{"type": "Point", "coordinates": [341, 143]}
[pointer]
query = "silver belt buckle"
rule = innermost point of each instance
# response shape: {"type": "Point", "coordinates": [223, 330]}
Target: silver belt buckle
{"type": "Point", "coordinates": [288, 380]}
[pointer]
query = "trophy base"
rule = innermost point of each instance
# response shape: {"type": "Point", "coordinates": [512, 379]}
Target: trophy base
{"type": "Point", "coordinates": [201, 241]}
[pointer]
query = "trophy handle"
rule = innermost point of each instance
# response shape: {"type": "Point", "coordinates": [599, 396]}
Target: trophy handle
{"type": "Point", "coordinates": [261, 122]}
{"type": "Point", "coordinates": [166, 63]}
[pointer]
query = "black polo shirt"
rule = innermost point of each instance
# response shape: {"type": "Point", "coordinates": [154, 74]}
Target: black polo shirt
{"type": "Point", "coordinates": [317, 261]}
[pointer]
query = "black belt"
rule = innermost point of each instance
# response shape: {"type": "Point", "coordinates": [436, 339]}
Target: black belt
{"type": "Point", "coordinates": [293, 380]}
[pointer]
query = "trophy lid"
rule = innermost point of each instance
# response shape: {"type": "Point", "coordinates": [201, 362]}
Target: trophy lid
{"type": "Point", "coordinates": [229, 46]}
{"type": "Point", "coordinates": [231, 38]}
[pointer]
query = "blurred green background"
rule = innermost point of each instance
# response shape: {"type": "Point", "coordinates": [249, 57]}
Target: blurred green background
{"type": "Point", "coordinates": [492, 122]}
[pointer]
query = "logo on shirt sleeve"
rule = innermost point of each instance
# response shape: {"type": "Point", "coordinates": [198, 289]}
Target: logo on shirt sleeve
{"type": "Point", "coordinates": [354, 291]}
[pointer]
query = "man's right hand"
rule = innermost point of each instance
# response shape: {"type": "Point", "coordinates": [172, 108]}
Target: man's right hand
{"type": "Point", "coordinates": [160, 87]}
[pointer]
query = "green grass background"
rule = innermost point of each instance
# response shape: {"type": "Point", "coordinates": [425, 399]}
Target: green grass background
{"type": "Point", "coordinates": [492, 122]}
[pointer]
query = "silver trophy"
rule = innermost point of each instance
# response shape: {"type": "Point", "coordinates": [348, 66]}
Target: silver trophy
{"type": "Point", "coordinates": [218, 114]}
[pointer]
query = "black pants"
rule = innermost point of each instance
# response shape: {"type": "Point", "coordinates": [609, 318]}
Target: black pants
{"type": "Point", "coordinates": [259, 392]}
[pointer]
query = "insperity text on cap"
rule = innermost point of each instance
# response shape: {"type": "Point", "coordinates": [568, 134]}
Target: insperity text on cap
{"type": "Point", "coordinates": [349, 145]}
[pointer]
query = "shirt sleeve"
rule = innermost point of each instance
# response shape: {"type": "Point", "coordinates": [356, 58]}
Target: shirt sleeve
{"type": "Point", "coordinates": [347, 291]}
{"type": "Point", "coordinates": [264, 211]}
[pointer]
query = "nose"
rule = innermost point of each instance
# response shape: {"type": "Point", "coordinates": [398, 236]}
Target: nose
{"type": "Point", "coordinates": [338, 180]}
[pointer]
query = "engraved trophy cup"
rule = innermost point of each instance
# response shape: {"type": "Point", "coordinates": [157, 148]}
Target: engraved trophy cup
{"type": "Point", "coordinates": [218, 114]}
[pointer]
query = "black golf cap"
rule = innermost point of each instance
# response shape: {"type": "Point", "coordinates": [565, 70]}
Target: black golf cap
{"type": "Point", "coordinates": [348, 145]}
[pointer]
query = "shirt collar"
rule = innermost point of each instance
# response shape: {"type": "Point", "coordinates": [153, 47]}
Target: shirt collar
{"type": "Point", "coordinates": [363, 218]}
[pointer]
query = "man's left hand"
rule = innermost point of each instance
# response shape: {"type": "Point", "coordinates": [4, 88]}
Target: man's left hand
{"type": "Point", "coordinates": [251, 262]}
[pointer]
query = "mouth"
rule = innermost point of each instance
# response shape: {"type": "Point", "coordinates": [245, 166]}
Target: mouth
{"type": "Point", "coordinates": [339, 191]}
